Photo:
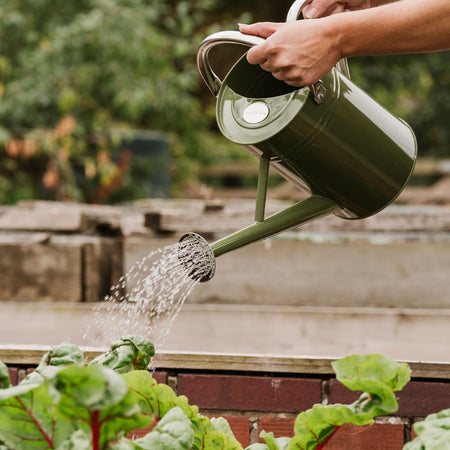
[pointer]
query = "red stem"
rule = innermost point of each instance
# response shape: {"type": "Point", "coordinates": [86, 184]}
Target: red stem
{"type": "Point", "coordinates": [322, 445]}
{"type": "Point", "coordinates": [95, 430]}
{"type": "Point", "coordinates": [46, 436]}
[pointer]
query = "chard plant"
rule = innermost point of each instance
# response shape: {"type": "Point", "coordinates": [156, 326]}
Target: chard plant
{"type": "Point", "coordinates": [65, 404]}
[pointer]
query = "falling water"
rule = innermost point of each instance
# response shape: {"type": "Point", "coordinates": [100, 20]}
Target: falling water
{"type": "Point", "coordinates": [148, 298]}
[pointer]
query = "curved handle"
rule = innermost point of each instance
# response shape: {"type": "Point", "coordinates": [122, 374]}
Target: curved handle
{"type": "Point", "coordinates": [222, 37]}
{"type": "Point", "coordinates": [295, 10]}
{"type": "Point", "coordinates": [236, 37]}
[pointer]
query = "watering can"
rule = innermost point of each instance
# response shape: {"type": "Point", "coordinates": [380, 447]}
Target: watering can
{"type": "Point", "coordinates": [330, 139]}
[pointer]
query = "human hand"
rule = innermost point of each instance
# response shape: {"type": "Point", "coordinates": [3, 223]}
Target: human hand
{"type": "Point", "coordinates": [298, 53]}
{"type": "Point", "coordinates": [322, 8]}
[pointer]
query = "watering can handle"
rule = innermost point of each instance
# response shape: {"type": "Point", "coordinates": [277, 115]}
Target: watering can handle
{"type": "Point", "coordinates": [221, 37]}
{"type": "Point", "coordinates": [236, 37]}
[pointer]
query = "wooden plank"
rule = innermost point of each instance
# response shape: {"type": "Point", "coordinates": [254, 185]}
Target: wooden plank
{"type": "Point", "coordinates": [236, 216]}
{"type": "Point", "coordinates": [41, 215]}
{"type": "Point", "coordinates": [40, 271]}
{"type": "Point", "coordinates": [31, 355]}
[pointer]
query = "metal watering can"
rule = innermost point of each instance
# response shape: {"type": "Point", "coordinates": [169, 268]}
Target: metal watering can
{"type": "Point", "coordinates": [330, 139]}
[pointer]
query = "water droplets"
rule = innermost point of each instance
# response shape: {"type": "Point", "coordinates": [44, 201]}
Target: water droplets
{"type": "Point", "coordinates": [149, 297]}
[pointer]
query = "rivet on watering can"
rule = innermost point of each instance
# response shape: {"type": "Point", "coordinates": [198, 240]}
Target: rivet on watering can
{"type": "Point", "coordinates": [319, 92]}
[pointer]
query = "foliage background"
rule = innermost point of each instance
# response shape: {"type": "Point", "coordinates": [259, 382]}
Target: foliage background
{"type": "Point", "coordinates": [72, 73]}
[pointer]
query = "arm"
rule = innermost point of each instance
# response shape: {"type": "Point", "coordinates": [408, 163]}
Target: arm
{"type": "Point", "coordinates": [303, 51]}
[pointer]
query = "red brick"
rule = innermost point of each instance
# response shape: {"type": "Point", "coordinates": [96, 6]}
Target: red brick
{"type": "Point", "coordinates": [249, 393]}
{"type": "Point", "coordinates": [240, 426]}
{"type": "Point", "coordinates": [420, 398]}
{"type": "Point", "coordinates": [371, 437]}
{"type": "Point", "coordinates": [279, 426]}
{"type": "Point", "coordinates": [160, 377]}
{"type": "Point", "coordinates": [13, 375]}
{"type": "Point", "coordinates": [338, 393]}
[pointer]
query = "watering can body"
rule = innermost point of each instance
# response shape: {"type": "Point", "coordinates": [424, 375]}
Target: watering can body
{"type": "Point", "coordinates": [330, 139]}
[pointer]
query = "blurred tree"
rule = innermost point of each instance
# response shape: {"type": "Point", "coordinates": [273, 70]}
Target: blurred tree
{"type": "Point", "coordinates": [416, 88]}
{"type": "Point", "coordinates": [73, 72]}
{"type": "Point", "coordinates": [98, 65]}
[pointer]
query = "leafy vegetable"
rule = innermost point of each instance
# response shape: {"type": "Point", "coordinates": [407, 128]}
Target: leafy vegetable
{"type": "Point", "coordinates": [130, 353]}
{"type": "Point", "coordinates": [5, 382]}
{"type": "Point", "coordinates": [432, 434]}
{"type": "Point", "coordinates": [65, 404]}
{"type": "Point", "coordinates": [274, 443]}
{"type": "Point", "coordinates": [62, 355]}
{"type": "Point", "coordinates": [97, 399]}
{"type": "Point", "coordinates": [378, 377]}
{"type": "Point", "coordinates": [158, 399]}
{"type": "Point", "coordinates": [173, 432]}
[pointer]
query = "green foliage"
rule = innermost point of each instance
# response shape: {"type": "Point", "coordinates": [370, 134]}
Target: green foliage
{"type": "Point", "coordinates": [73, 73]}
{"type": "Point", "coordinates": [173, 432]}
{"type": "Point", "coordinates": [158, 399]}
{"type": "Point", "coordinates": [432, 434]}
{"type": "Point", "coordinates": [97, 65]}
{"type": "Point", "coordinates": [378, 377]}
{"type": "Point", "coordinates": [414, 87]}
{"type": "Point", "coordinates": [65, 404]}
{"type": "Point", "coordinates": [130, 353]}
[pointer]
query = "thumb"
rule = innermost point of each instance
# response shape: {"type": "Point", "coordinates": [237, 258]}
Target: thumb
{"type": "Point", "coordinates": [319, 8]}
{"type": "Point", "coordinates": [261, 29]}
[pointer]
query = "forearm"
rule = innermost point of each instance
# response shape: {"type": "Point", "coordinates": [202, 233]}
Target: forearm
{"type": "Point", "coordinates": [405, 26]}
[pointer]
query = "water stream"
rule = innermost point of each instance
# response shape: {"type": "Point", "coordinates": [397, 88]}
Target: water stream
{"type": "Point", "coordinates": [148, 298]}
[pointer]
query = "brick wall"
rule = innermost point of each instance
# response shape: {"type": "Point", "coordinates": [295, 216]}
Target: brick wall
{"type": "Point", "coordinates": [253, 403]}
{"type": "Point", "coordinates": [255, 400]}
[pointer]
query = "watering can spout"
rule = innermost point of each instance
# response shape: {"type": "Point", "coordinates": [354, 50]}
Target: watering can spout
{"type": "Point", "coordinates": [198, 257]}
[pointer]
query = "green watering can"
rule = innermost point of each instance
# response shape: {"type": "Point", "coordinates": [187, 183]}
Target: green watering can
{"type": "Point", "coordinates": [330, 139]}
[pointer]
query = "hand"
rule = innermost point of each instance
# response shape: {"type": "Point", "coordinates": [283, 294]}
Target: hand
{"type": "Point", "coordinates": [298, 53]}
{"type": "Point", "coordinates": [322, 8]}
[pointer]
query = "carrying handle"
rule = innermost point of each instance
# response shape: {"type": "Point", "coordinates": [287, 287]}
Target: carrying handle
{"type": "Point", "coordinates": [221, 37]}
{"type": "Point", "coordinates": [236, 37]}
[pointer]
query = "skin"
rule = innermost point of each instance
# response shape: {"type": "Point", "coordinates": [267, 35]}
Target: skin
{"type": "Point", "coordinates": [303, 51]}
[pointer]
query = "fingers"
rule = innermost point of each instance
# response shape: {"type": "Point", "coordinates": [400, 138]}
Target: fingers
{"type": "Point", "coordinates": [257, 54]}
{"type": "Point", "coordinates": [261, 29]}
{"type": "Point", "coordinates": [322, 8]}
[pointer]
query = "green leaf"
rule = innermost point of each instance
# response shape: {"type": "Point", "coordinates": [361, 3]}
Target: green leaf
{"type": "Point", "coordinates": [376, 367]}
{"type": "Point", "coordinates": [5, 382]}
{"type": "Point", "coordinates": [79, 440]}
{"type": "Point", "coordinates": [29, 417]}
{"type": "Point", "coordinates": [222, 425]}
{"type": "Point", "coordinates": [433, 433]}
{"type": "Point", "coordinates": [158, 399]}
{"type": "Point", "coordinates": [4, 447]}
{"type": "Point", "coordinates": [173, 432]}
{"type": "Point", "coordinates": [378, 377]}
{"type": "Point", "coordinates": [375, 374]}
{"type": "Point", "coordinates": [97, 399]}
{"type": "Point", "coordinates": [91, 387]}
{"type": "Point", "coordinates": [130, 353]}
{"type": "Point", "coordinates": [62, 355]}
{"type": "Point", "coordinates": [274, 443]}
